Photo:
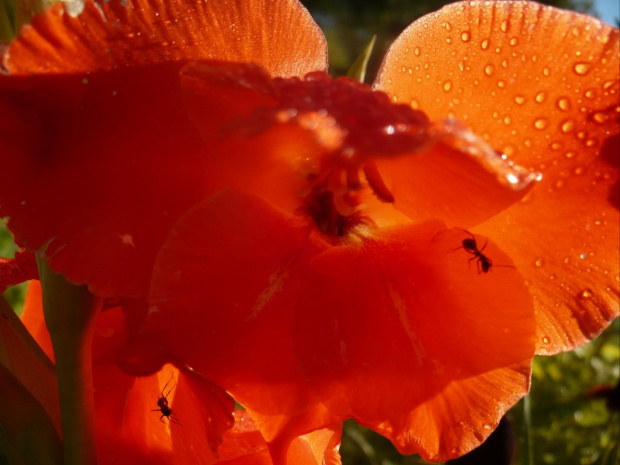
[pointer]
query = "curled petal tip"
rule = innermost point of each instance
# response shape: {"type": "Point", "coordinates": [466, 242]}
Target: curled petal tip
{"type": "Point", "coordinates": [507, 172]}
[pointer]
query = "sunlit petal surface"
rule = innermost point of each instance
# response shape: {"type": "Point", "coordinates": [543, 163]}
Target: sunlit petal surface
{"type": "Point", "coordinates": [541, 85]}
{"type": "Point", "coordinates": [281, 36]}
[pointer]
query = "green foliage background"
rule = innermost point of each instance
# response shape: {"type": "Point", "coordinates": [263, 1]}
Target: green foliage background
{"type": "Point", "coordinates": [568, 424]}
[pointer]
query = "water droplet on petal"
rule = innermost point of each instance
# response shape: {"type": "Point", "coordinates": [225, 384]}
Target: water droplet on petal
{"type": "Point", "coordinates": [539, 263]}
{"type": "Point", "coordinates": [582, 68]}
{"type": "Point", "coordinates": [579, 170]}
{"type": "Point", "coordinates": [514, 41]}
{"type": "Point", "coordinates": [570, 154]}
{"type": "Point", "coordinates": [488, 69]}
{"type": "Point", "coordinates": [520, 100]}
{"type": "Point", "coordinates": [484, 44]}
{"type": "Point", "coordinates": [540, 123]}
{"type": "Point", "coordinates": [546, 340]}
{"type": "Point", "coordinates": [447, 26]}
{"type": "Point", "coordinates": [586, 294]}
{"type": "Point", "coordinates": [501, 84]}
{"type": "Point", "coordinates": [567, 126]}
{"type": "Point", "coordinates": [563, 104]}
{"type": "Point", "coordinates": [600, 117]}
{"type": "Point", "coordinates": [504, 26]}
{"type": "Point", "coordinates": [540, 97]}
{"type": "Point", "coordinates": [546, 71]}
{"type": "Point", "coordinates": [447, 86]}
{"type": "Point", "coordinates": [465, 36]}
{"type": "Point", "coordinates": [415, 105]}
{"type": "Point", "coordinates": [416, 51]}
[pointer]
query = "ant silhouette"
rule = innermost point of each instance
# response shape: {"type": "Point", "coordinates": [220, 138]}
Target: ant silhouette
{"type": "Point", "coordinates": [164, 407]}
{"type": "Point", "coordinates": [471, 246]}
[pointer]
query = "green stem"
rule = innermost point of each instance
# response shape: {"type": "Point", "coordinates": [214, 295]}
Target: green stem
{"type": "Point", "coordinates": [70, 312]}
{"type": "Point", "coordinates": [528, 458]}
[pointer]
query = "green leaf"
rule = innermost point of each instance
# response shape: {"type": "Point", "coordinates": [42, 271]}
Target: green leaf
{"type": "Point", "coordinates": [358, 68]}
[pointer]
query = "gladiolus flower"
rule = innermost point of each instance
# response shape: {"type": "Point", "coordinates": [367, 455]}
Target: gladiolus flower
{"type": "Point", "coordinates": [305, 242]}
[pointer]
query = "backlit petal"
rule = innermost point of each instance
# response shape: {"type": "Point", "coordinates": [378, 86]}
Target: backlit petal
{"type": "Point", "coordinates": [387, 326]}
{"type": "Point", "coordinates": [281, 36]}
{"type": "Point", "coordinates": [222, 298]}
{"type": "Point", "coordinates": [541, 84]}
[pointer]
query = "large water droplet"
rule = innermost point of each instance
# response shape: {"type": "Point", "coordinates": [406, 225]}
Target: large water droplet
{"type": "Point", "coordinates": [540, 123]}
{"type": "Point", "coordinates": [488, 69]}
{"type": "Point", "coordinates": [540, 97]}
{"type": "Point", "coordinates": [563, 104]}
{"type": "Point", "coordinates": [504, 26]}
{"type": "Point", "coordinates": [465, 36]}
{"type": "Point", "coordinates": [582, 68]}
{"type": "Point", "coordinates": [600, 117]}
{"type": "Point", "coordinates": [567, 126]}
{"type": "Point", "coordinates": [484, 44]}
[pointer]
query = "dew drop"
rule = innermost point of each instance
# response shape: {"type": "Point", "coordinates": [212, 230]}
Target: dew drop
{"type": "Point", "coordinates": [540, 97]}
{"type": "Point", "coordinates": [416, 51]}
{"type": "Point", "coordinates": [583, 256]}
{"type": "Point", "coordinates": [546, 340]}
{"type": "Point", "coordinates": [567, 126]}
{"type": "Point", "coordinates": [414, 104]}
{"type": "Point", "coordinates": [448, 40]}
{"type": "Point", "coordinates": [579, 170]}
{"type": "Point", "coordinates": [582, 68]}
{"type": "Point", "coordinates": [488, 69]}
{"type": "Point", "coordinates": [514, 41]}
{"type": "Point", "coordinates": [586, 294]}
{"type": "Point", "coordinates": [540, 123]}
{"type": "Point", "coordinates": [590, 94]}
{"type": "Point", "coordinates": [563, 104]}
{"type": "Point", "coordinates": [570, 154]}
{"type": "Point", "coordinates": [504, 26]}
{"type": "Point", "coordinates": [508, 150]}
{"type": "Point", "coordinates": [504, 63]}
{"type": "Point", "coordinates": [501, 84]}
{"type": "Point", "coordinates": [555, 145]}
{"type": "Point", "coordinates": [520, 99]}
{"type": "Point", "coordinates": [566, 260]}
{"type": "Point", "coordinates": [590, 143]}
{"type": "Point", "coordinates": [447, 26]}
{"type": "Point", "coordinates": [546, 71]}
{"type": "Point", "coordinates": [539, 263]}
{"type": "Point", "coordinates": [507, 120]}
{"type": "Point", "coordinates": [465, 36]}
{"type": "Point", "coordinates": [559, 184]}
{"type": "Point", "coordinates": [484, 44]}
{"type": "Point", "coordinates": [600, 117]}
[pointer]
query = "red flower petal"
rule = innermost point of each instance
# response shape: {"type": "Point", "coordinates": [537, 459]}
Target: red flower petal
{"type": "Point", "coordinates": [542, 85]}
{"type": "Point", "coordinates": [292, 131]}
{"type": "Point", "coordinates": [222, 296]}
{"type": "Point", "coordinates": [406, 323]}
{"type": "Point", "coordinates": [281, 36]}
{"type": "Point", "coordinates": [17, 270]}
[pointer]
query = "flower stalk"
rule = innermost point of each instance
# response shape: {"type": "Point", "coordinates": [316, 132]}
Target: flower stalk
{"type": "Point", "coordinates": [70, 312]}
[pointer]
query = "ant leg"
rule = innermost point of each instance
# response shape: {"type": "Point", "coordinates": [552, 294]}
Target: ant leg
{"type": "Point", "coordinates": [454, 250]}
{"type": "Point", "coordinates": [156, 410]}
{"type": "Point", "coordinates": [162, 419]}
{"type": "Point", "coordinates": [469, 262]}
{"type": "Point", "coordinates": [485, 245]}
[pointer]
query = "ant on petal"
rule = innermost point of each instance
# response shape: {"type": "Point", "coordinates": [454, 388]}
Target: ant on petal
{"type": "Point", "coordinates": [470, 246]}
{"type": "Point", "coordinates": [164, 407]}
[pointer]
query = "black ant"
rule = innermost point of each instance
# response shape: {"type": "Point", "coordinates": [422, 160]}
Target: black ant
{"type": "Point", "coordinates": [164, 408]}
{"type": "Point", "coordinates": [471, 246]}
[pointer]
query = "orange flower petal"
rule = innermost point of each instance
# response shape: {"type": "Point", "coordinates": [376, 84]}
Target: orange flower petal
{"type": "Point", "coordinates": [27, 362]}
{"type": "Point", "coordinates": [281, 36]}
{"type": "Point", "coordinates": [33, 318]}
{"type": "Point", "coordinates": [221, 299]}
{"type": "Point", "coordinates": [542, 85]}
{"type": "Point", "coordinates": [386, 327]}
